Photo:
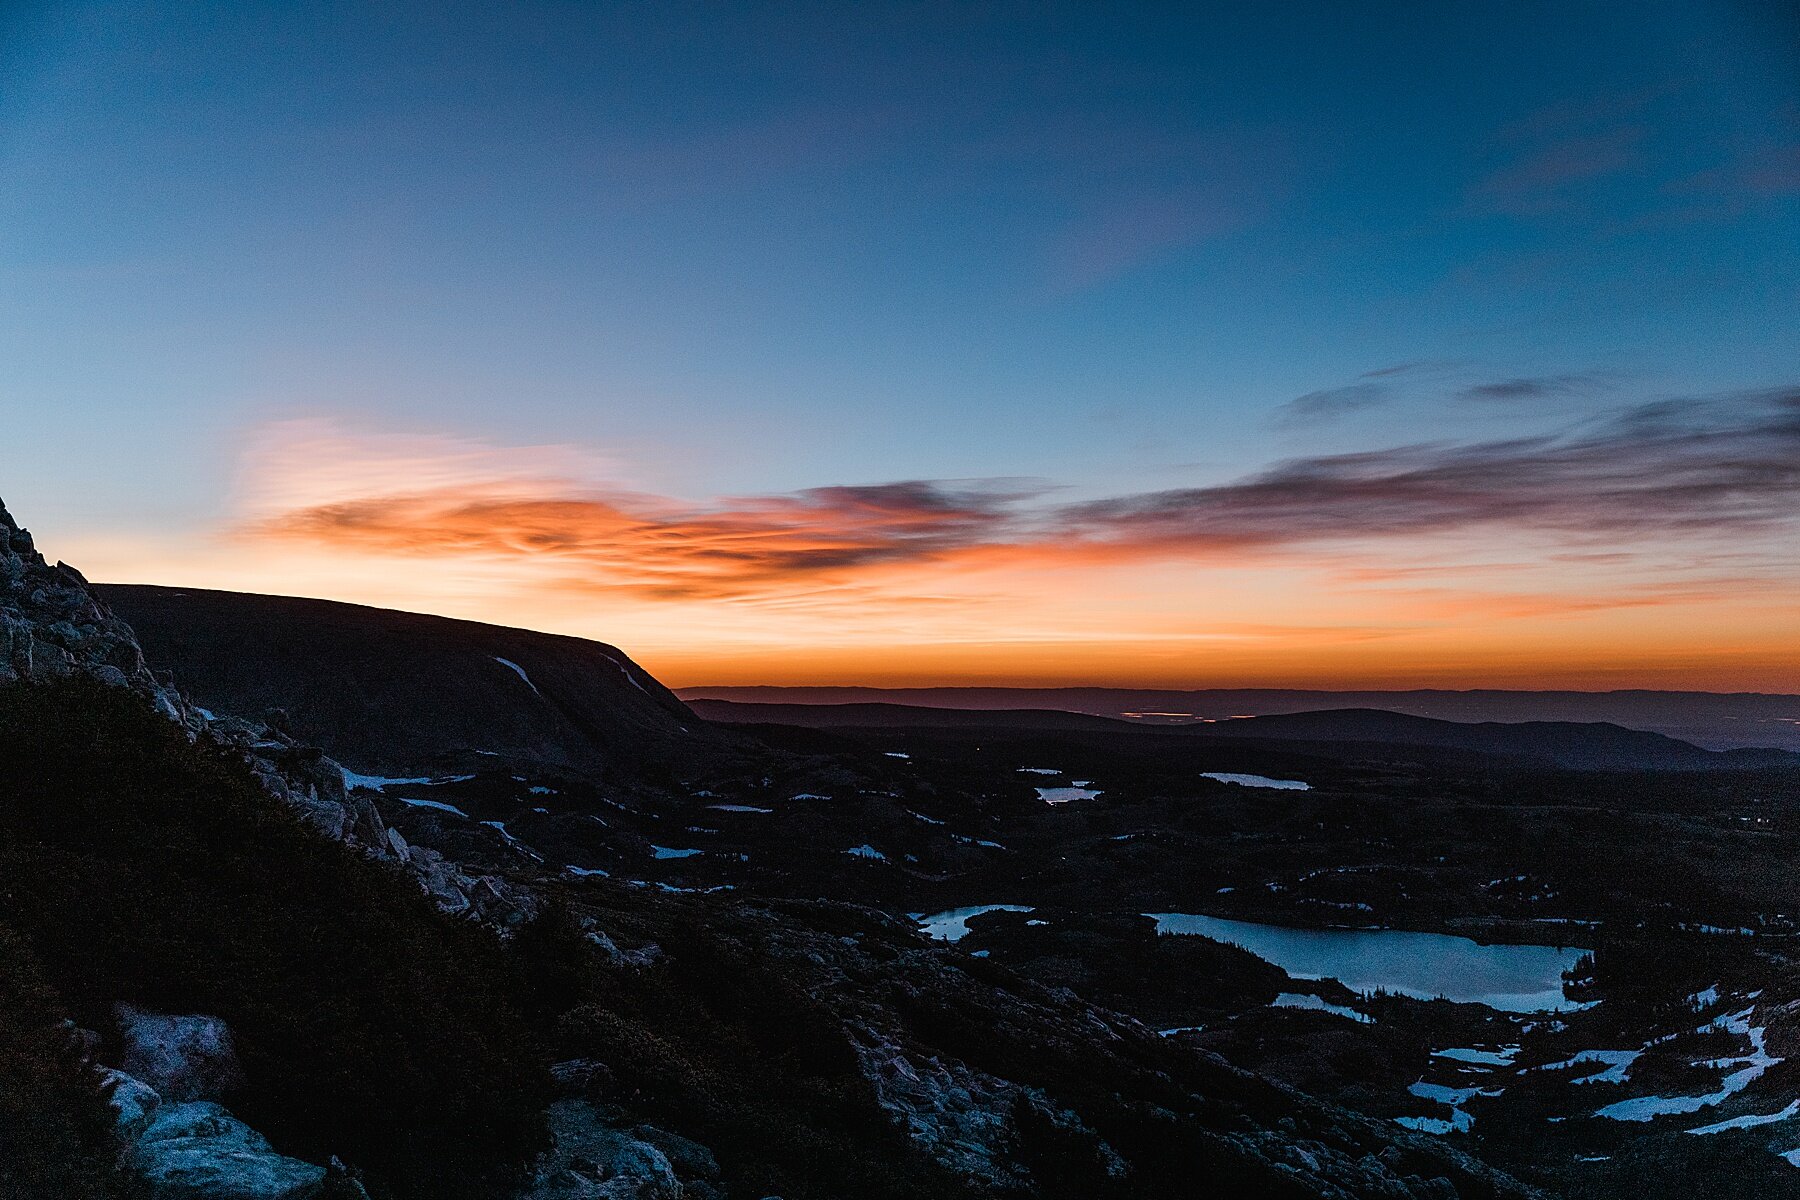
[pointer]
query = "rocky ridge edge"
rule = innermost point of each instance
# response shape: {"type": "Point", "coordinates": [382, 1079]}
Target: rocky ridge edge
{"type": "Point", "coordinates": [52, 624]}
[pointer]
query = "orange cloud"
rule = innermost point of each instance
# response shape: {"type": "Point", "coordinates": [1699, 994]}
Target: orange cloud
{"type": "Point", "coordinates": [1627, 490]}
{"type": "Point", "coordinates": [742, 547]}
{"type": "Point", "coordinates": [1653, 547]}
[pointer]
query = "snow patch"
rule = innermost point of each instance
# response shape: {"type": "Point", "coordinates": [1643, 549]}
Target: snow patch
{"type": "Point", "coordinates": [376, 783]}
{"type": "Point", "coordinates": [1751, 1122]}
{"type": "Point", "coordinates": [1486, 1058]}
{"type": "Point", "coordinates": [629, 677]}
{"type": "Point", "coordinates": [499, 827]}
{"type": "Point", "coordinates": [1257, 781]}
{"type": "Point", "coordinates": [1618, 1065]}
{"type": "Point", "coordinates": [437, 804]}
{"type": "Point", "coordinates": [1459, 1122]}
{"type": "Point", "coordinates": [1306, 1000]}
{"type": "Point", "coordinates": [1647, 1108]}
{"type": "Point", "coordinates": [516, 669]}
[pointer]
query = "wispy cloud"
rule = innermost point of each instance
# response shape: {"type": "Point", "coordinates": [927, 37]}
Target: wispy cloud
{"type": "Point", "coordinates": [757, 545]}
{"type": "Point", "coordinates": [1711, 466]}
{"type": "Point", "coordinates": [1129, 193]}
{"type": "Point", "coordinates": [1329, 403]}
{"type": "Point", "coordinates": [1421, 380]}
{"type": "Point", "coordinates": [1368, 390]}
{"type": "Point", "coordinates": [1767, 173]}
{"type": "Point", "coordinates": [1639, 483]}
{"type": "Point", "coordinates": [1127, 232]}
{"type": "Point", "coordinates": [1532, 387]}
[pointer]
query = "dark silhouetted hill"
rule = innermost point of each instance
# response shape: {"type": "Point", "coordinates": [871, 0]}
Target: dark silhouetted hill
{"type": "Point", "coordinates": [1712, 720]}
{"type": "Point", "coordinates": [1355, 733]}
{"type": "Point", "coordinates": [395, 692]}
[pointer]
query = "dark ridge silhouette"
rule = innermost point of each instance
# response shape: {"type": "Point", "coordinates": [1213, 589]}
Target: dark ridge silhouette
{"type": "Point", "coordinates": [386, 691]}
{"type": "Point", "coordinates": [1712, 720]}
{"type": "Point", "coordinates": [1353, 732]}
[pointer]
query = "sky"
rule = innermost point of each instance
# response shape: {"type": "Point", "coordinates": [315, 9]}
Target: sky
{"type": "Point", "coordinates": [1318, 345]}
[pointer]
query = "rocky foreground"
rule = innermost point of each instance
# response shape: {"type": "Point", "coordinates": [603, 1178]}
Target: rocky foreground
{"type": "Point", "coordinates": [280, 996]}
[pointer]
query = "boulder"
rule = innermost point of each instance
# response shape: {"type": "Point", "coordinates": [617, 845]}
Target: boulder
{"type": "Point", "coordinates": [132, 1100]}
{"type": "Point", "coordinates": [181, 1058]}
{"type": "Point", "coordinates": [591, 1160]}
{"type": "Point", "coordinates": [199, 1151]}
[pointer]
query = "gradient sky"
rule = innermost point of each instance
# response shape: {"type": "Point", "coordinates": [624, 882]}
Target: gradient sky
{"type": "Point", "coordinates": [1366, 345]}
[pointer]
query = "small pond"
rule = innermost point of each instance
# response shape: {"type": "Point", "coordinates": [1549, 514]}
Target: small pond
{"type": "Point", "coordinates": [1258, 781]}
{"type": "Point", "coordinates": [953, 925]}
{"type": "Point", "coordinates": [1422, 965]}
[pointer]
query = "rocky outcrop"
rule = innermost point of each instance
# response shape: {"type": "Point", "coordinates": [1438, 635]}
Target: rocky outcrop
{"type": "Point", "coordinates": [199, 1151]}
{"type": "Point", "coordinates": [974, 1063]}
{"type": "Point", "coordinates": [174, 1134]}
{"type": "Point", "coordinates": [53, 624]}
{"type": "Point", "coordinates": [180, 1058]}
{"type": "Point", "coordinates": [592, 1160]}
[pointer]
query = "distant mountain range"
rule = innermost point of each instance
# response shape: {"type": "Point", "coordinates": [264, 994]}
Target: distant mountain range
{"type": "Point", "coordinates": [1713, 720]}
{"type": "Point", "coordinates": [1347, 733]}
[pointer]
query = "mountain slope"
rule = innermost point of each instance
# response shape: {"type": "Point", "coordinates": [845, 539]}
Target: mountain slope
{"type": "Point", "coordinates": [394, 692]}
{"type": "Point", "coordinates": [825, 1050]}
{"type": "Point", "coordinates": [138, 868]}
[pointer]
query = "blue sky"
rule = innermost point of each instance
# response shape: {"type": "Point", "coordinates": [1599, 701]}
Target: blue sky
{"type": "Point", "coordinates": [738, 250]}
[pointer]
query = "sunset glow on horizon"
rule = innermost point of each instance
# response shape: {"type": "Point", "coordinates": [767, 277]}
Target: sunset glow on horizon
{"type": "Point", "coordinates": [1096, 345]}
{"type": "Point", "coordinates": [1586, 560]}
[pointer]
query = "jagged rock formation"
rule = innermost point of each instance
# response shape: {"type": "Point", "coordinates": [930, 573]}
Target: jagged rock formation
{"type": "Point", "coordinates": [176, 1136]}
{"type": "Point", "coordinates": [590, 1160]}
{"type": "Point", "coordinates": [52, 624]}
{"type": "Point", "coordinates": [199, 1151]}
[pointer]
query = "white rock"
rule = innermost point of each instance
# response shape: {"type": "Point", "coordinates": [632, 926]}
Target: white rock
{"type": "Point", "coordinates": [199, 1151]}
{"type": "Point", "coordinates": [133, 1102]}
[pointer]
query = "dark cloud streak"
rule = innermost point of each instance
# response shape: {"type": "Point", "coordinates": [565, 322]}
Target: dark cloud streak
{"type": "Point", "coordinates": [1677, 467]}
{"type": "Point", "coordinates": [1723, 468]}
{"type": "Point", "coordinates": [1537, 387]}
